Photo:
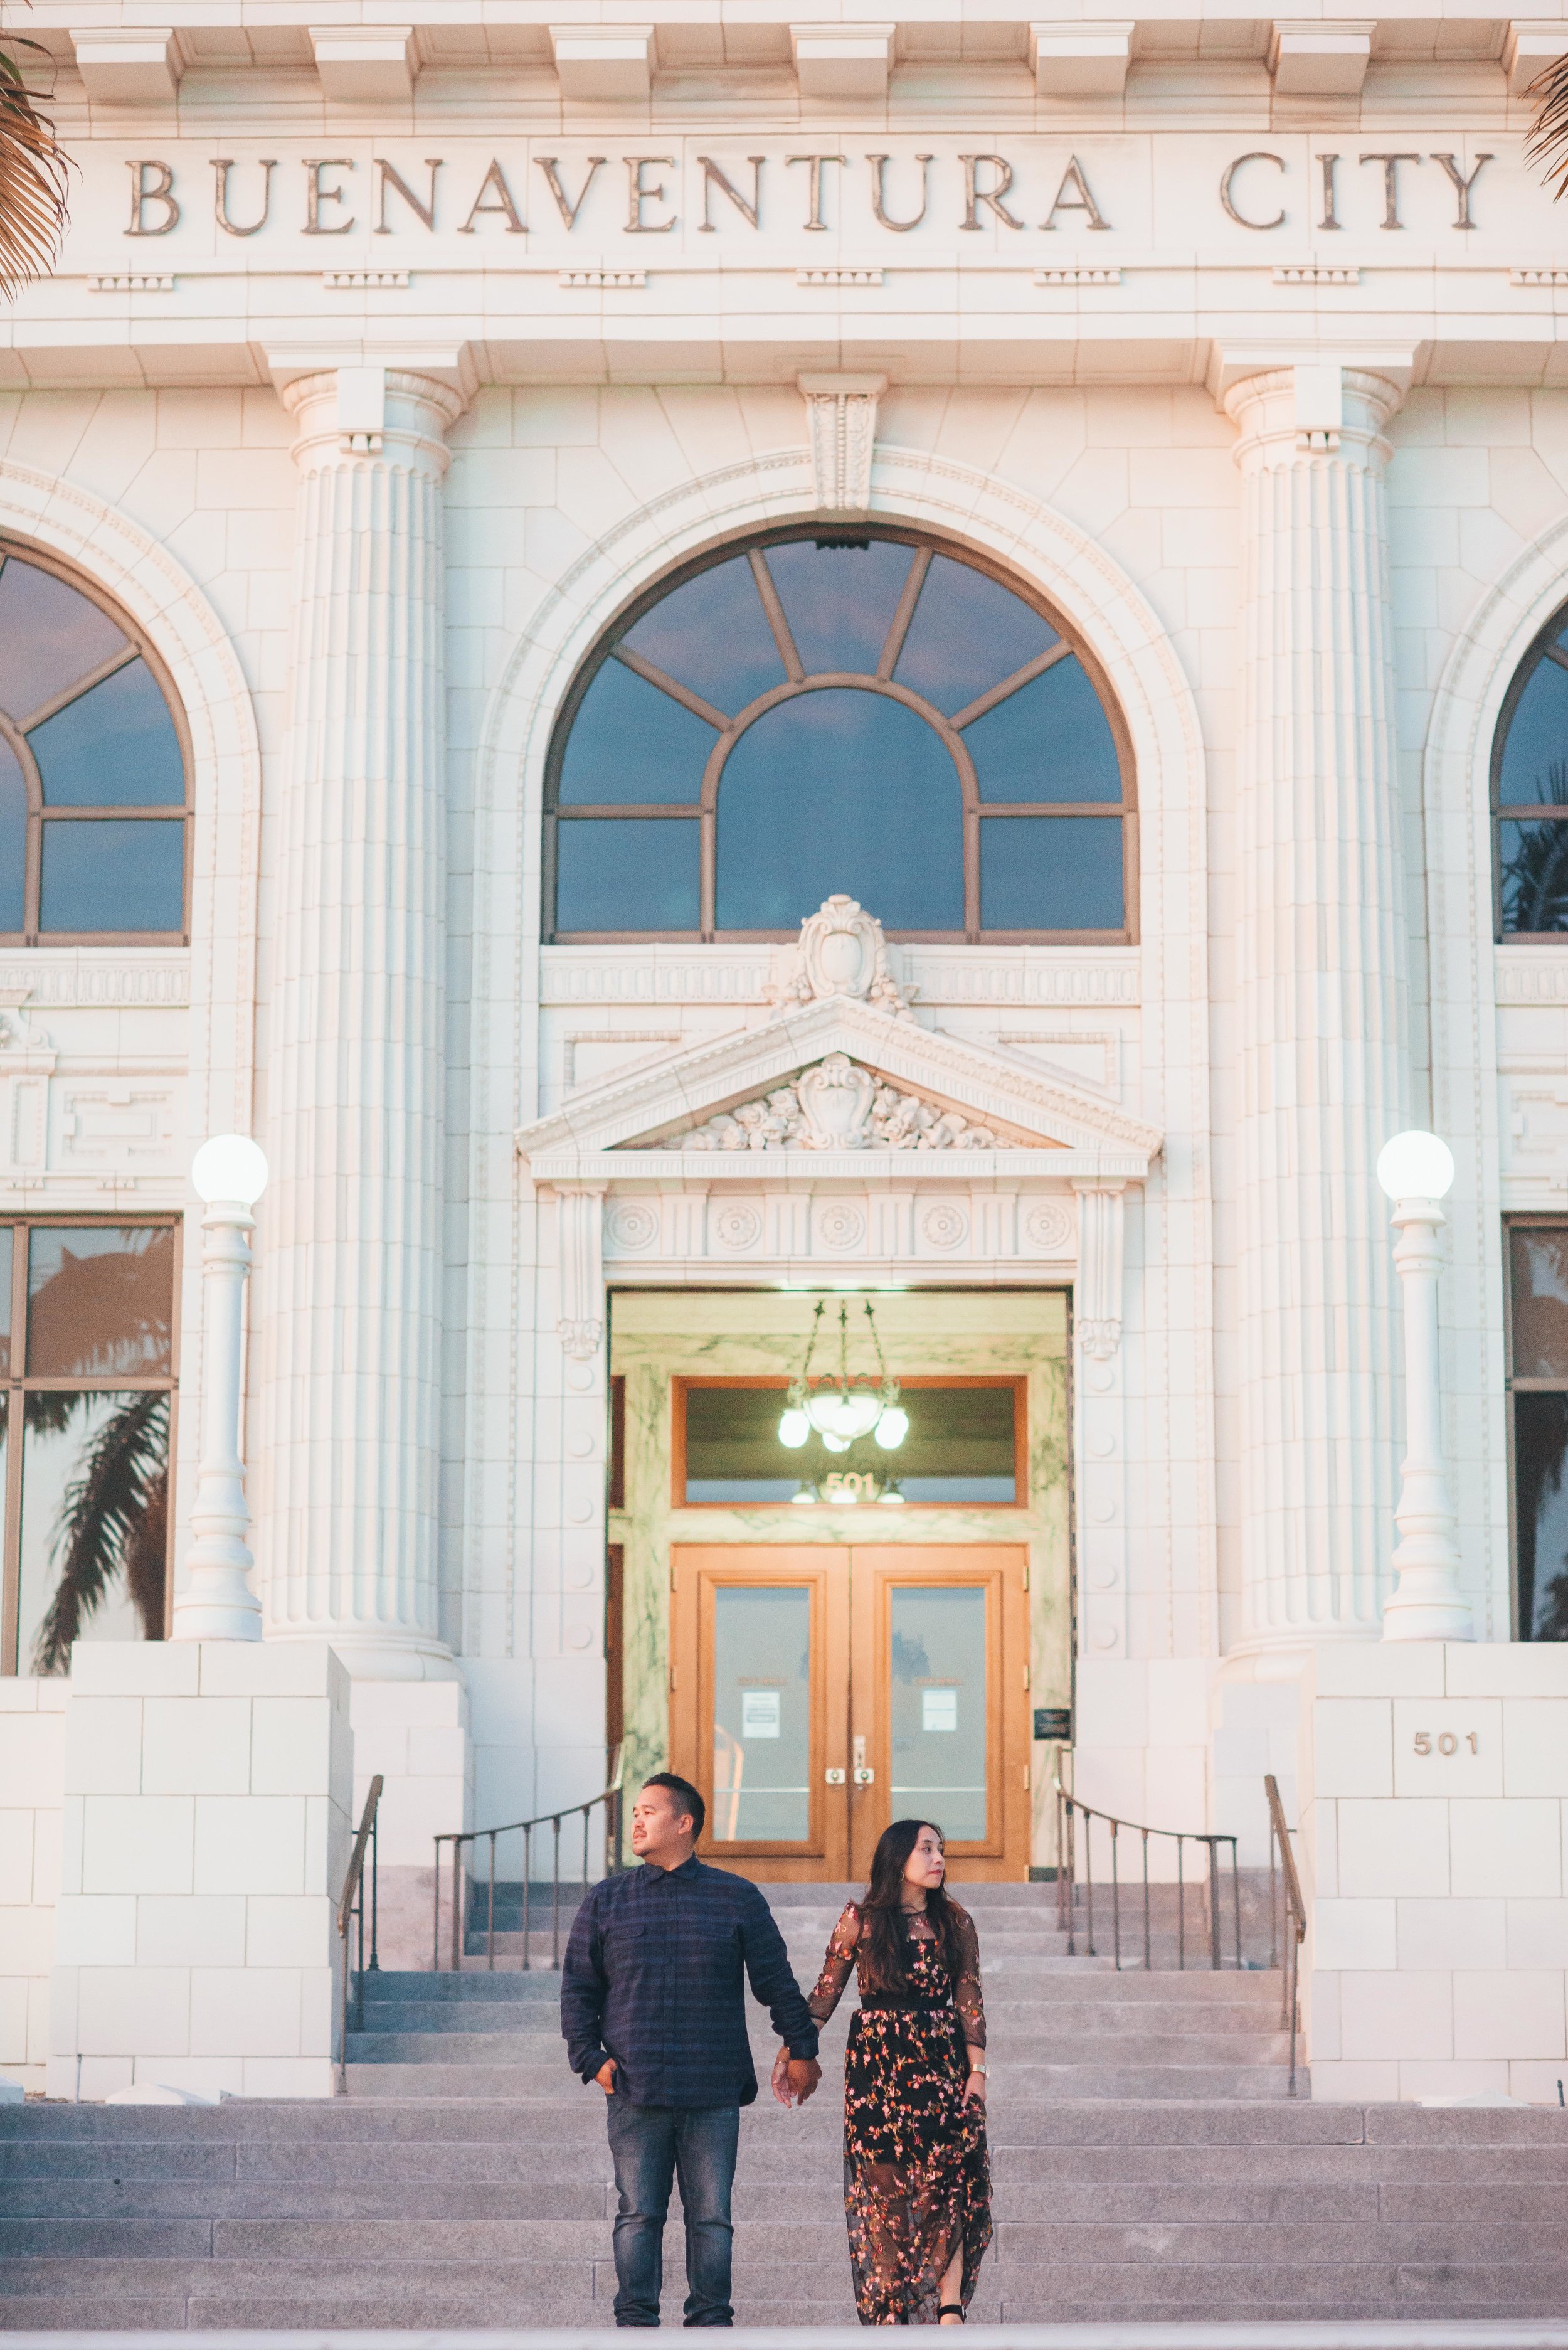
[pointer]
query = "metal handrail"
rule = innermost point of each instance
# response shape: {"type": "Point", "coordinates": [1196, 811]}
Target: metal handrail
{"type": "Point", "coordinates": [1295, 1917]}
{"type": "Point", "coordinates": [351, 1906]}
{"type": "Point", "coordinates": [608, 1796]}
{"type": "Point", "coordinates": [1069, 1810]}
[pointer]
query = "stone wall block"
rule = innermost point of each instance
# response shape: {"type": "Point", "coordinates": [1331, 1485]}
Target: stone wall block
{"type": "Point", "coordinates": [198, 1938]}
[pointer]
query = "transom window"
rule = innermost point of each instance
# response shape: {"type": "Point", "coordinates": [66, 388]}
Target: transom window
{"type": "Point", "coordinates": [92, 769]}
{"type": "Point", "coordinates": [866, 712]}
{"type": "Point", "coordinates": [86, 1394]}
{"type": "Point", "coordinates": [1530, 791]}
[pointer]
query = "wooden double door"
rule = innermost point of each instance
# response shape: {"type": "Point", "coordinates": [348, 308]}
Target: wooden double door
{"type": "Point", "coordinates": [818, 1692]}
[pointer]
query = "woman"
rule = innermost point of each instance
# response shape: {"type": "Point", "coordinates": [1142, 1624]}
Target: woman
{"type": "Point", "coordinates": [917, 2182]}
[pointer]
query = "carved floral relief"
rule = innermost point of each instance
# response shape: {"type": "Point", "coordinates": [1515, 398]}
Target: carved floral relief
{"type": "Point", "coordinates": [838, 1105]}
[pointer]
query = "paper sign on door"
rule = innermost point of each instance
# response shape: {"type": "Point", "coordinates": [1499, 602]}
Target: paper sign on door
{"type": "Point", "coordinates": [760, 1713]}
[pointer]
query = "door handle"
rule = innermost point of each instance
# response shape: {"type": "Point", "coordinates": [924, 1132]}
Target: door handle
{"type": "Point", "coordinates": [833, 1778]}
{"type": "Point", "coordinates": [863, 1777]}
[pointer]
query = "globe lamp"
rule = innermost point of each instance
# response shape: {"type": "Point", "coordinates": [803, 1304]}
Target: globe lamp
{"type": "Point", "coordinates": [1415, 1166]}
{"type": "Point", "coordinates": [230, 1167]}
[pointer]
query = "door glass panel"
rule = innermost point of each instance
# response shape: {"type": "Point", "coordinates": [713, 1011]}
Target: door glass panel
{"type": "Point", "coordinates": [761, 1714]}
{"type": "Point", "coordinates": [937, 1687]}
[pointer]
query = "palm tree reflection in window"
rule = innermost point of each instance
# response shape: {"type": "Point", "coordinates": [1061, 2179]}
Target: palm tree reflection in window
{"type": "Point", "coordinates": [113, 1521]}
{"type": "Point", "coordinates": [1541, 1455]}
{"type": "Point", "coordinates": [1534, 863]}
{"type": "Point", "coordinates": [95, 1471]}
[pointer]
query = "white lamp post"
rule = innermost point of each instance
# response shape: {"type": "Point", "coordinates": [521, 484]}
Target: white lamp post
{"type": "Point", "coordinates": [217, 1602]}
{"type": "Point", "coordinates": [1417, 1171]}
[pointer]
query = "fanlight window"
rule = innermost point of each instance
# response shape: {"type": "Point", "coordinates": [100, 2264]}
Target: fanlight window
{"type": "Point", "coordinates": [1529, 791]}
{"type": "Point", "coordinates": [868, 713]}
{"type": "Point", "coordinates": [92, 770]}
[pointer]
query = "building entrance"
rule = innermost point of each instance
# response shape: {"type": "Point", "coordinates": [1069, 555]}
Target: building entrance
{"type": "Point", "coordinates": [819, 1692]}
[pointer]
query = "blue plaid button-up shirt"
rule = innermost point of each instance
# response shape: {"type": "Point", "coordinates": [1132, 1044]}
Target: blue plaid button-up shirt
{"type": "Point", "coordinates": [653, 1978]}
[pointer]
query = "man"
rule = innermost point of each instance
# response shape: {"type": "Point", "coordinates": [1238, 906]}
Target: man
{"type": "Point", "coordinates": [653, 2008]}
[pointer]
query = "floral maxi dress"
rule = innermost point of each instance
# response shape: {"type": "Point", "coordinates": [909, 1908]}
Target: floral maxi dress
{"type": "Point", "coordinates": [917, 2183]}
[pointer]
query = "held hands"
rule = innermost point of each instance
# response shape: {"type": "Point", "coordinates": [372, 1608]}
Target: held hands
{"type": "Point", "coordinates": [605, 2076]}
{"type": "Point", "coordinates": [794, 2078]}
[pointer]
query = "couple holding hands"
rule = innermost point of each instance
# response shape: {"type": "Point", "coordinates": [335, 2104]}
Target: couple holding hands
{"type": "Point", "coordinates": [653, 2010]}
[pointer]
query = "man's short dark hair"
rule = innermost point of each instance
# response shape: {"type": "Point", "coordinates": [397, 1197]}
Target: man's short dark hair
{"type": "Point", "coordinates": [687, 1799]}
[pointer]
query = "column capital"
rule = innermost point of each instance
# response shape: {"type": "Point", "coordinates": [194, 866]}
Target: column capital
{"type": "Point", "coordinates": [366, 409]}
{"type": "Point", "coordinates": [1311, 408]}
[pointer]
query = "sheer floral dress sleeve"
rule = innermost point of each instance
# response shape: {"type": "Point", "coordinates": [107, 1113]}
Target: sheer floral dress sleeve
{"type": "Point", "coordinates": [916, 2177]}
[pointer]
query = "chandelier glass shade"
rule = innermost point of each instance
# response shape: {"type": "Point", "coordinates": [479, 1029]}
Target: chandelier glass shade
{"type": "Point", "coordinates": [841, 1408]}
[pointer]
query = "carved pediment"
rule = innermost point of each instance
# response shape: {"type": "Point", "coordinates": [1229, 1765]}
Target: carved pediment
{"type": "Point", "coordinates": [839, 1105]}
{"type": "Point", "coordinates": [841, 1065]}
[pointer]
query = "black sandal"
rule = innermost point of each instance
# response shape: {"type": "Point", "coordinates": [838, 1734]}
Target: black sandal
{"type": "Point", "coordinates": [951, 2309]}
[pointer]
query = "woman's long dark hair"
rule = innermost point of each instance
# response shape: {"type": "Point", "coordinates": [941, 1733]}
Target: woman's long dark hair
{"type": "Point", "coordinates": [882, 1932]}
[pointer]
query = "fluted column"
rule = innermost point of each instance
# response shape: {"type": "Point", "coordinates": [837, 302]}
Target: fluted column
{"type": "Point", "coordinates": [352, 1312]}
{"type": "Point", "coordinates": [1321, 1006]}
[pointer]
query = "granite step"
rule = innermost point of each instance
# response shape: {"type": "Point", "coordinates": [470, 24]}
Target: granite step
{"type": "Point", "coordinates": [536, 2086]}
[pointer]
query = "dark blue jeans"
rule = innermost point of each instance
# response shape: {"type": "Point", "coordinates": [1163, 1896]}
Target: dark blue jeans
{"type": "Point", "coordinates": [653, 2145]}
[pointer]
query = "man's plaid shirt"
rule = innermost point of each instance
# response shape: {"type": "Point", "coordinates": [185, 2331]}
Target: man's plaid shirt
{"type": "Point", "coordinates": [653, 1978]}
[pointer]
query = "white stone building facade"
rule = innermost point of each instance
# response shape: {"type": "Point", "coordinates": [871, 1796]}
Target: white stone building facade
{"type": "Point", "coordinates": [389, 367]}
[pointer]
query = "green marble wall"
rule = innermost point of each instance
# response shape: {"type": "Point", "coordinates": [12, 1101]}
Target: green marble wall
{"type": "Point", "coordinates": [657, 1335]}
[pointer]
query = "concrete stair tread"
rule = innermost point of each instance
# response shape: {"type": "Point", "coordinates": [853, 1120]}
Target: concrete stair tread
{"type": "Point", "coordinates": [1147, 2167]}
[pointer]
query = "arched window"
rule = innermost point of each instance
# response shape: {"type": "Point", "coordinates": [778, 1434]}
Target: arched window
{"type": "Point", "coordinates": [92, 769]}
{"type": "Point", "coordinates": [863, 712]}
{"type": "Point", "coordinates": [1529, 791]}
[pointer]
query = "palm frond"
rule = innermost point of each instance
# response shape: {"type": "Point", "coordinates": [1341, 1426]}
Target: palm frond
{"type": "Point", "coordinates": [33, 168]}
{"type": "Point", "coordinates": [111, 1522]}
{"type": "Point", "coordinates": [1535, 877]}
{"type": "Point", "coordinates": [48, 1411]}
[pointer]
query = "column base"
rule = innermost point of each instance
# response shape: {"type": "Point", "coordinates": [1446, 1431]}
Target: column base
{"type": "Point", "coordinates": [377, 1656]}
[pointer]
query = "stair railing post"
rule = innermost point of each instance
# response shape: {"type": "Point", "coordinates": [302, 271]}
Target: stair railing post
{"type": "Point", "coordinates": [1213, 1844]}
{"type": "Point", "coordinates": [457, 1934]}
{"type": "Point", "coordinates": [435, 1913]}
{"type": "Point", "coordinates": [360, 1948]}
{"type": "Point", "coordinates": [1147, 1956]}
{"type": "Point", "coordinates": [1236, 1900]}
{"type": "Point", "coordinates": [343, 2023]}
{"type": "Point", "coordinates": [490, 1926]}
{"type": "Point", "coordinates": [1115, 1900]}
{"type": "Point", "coordinates": [1295, 1962]}
{"type": "Point", "coordinates": [1181, 1905]}
{"type": "Point", "coordinates": [1273, 1901]}
{"type": "Point", "coordinates": [1061, 1858]}
{"type": "Point", "coordinates": [556, 1893]}
{"type": "Point", "coordinates": [1089, 1882]}
{"type": "Point", "coordinates": [375, 1893]}
{"type": "Point", "coordinates": [1071, 1826]}
{"type": "Point", "coordinates": [527, 1892]}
